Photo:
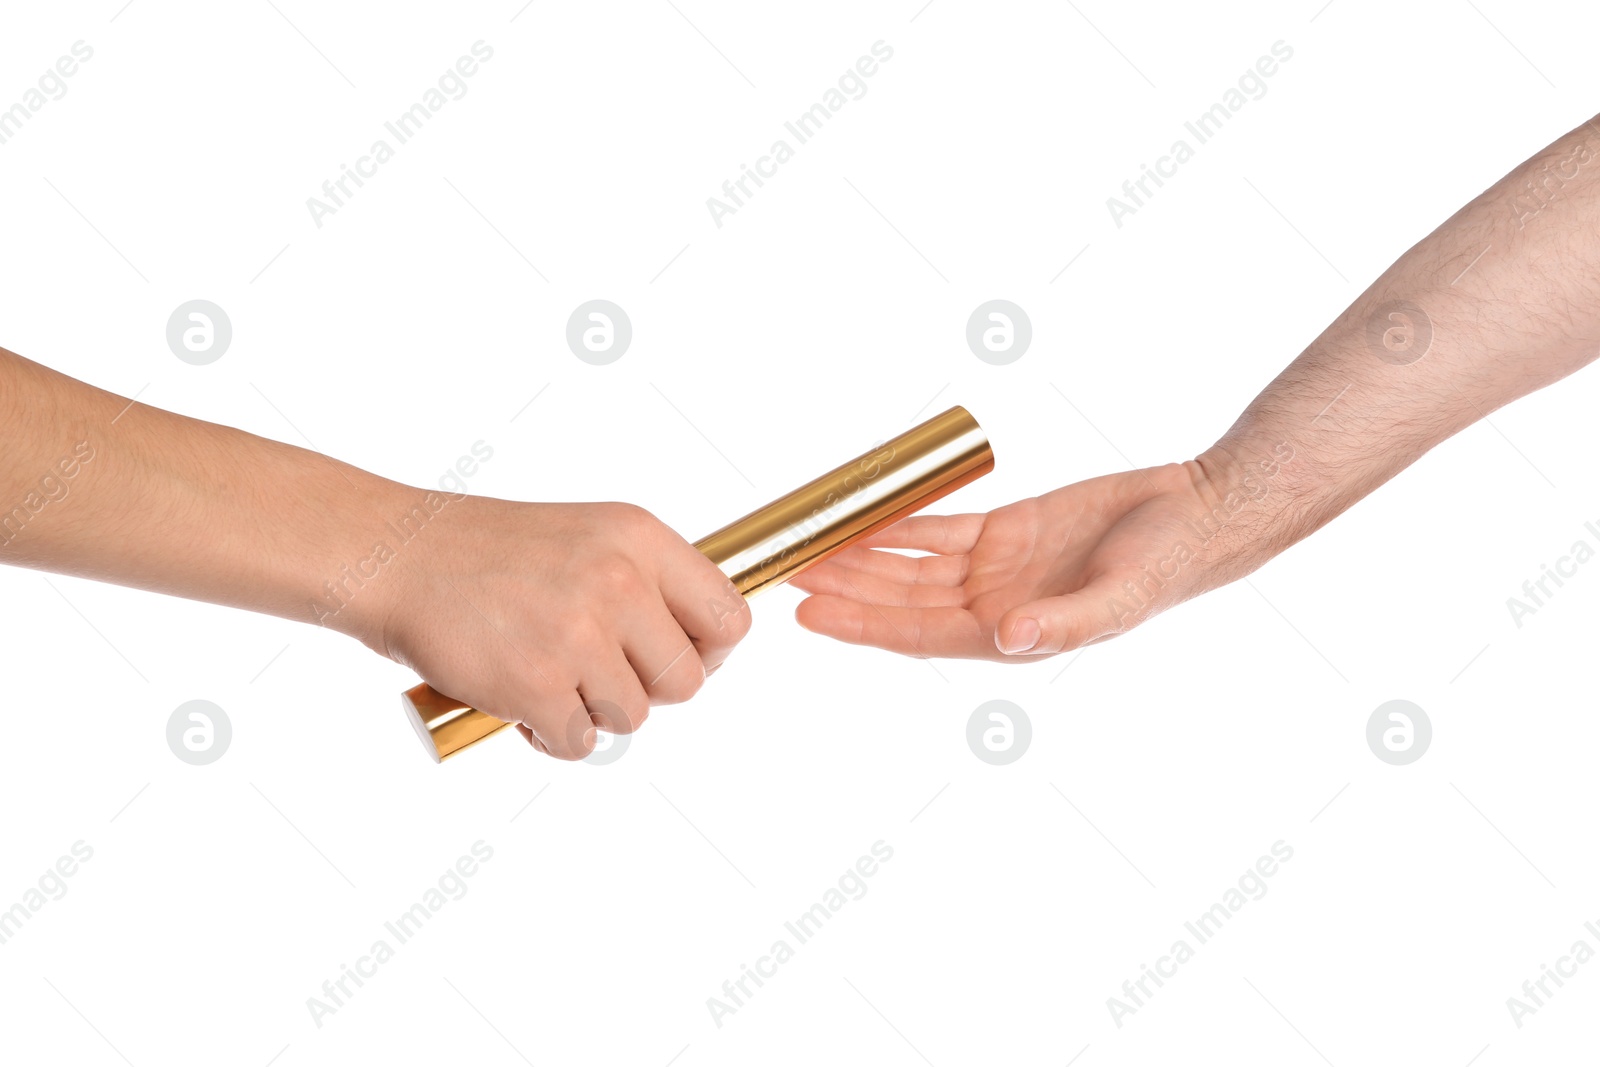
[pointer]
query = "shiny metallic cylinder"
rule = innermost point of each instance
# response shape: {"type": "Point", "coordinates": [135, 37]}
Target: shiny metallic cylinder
{"type": "Point", "coordinates": [774, 543]}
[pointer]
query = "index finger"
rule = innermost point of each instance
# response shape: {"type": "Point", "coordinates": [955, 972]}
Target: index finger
{"type": "Point", "coordinates": [924, 633]}
{"type": "Point", "coordinates": [714, 616]}
{"type": "Point", "coordinates": [946, 535]}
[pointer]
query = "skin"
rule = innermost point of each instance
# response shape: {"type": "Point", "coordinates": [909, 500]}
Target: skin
{"type": "Point", "coordinates": [563, 618]}
{"type": "Point", "coordinates": [1502, 299]}
{"type": "Point", "coordinates": [567, 618]}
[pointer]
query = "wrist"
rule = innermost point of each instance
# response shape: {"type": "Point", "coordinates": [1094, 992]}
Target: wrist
{"type": "Point", "coordinates": [355, 583]}
{"type": "Point", "coordinates": [1256, 489]}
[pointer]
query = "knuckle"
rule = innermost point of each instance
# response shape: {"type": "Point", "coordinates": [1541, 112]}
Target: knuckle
{"type": "Point", "coordinates": [738, 623]}
{"type": "Point", "coordinates": [631, 715]}
{"type": "Point", "coordinates": [565, 735]}
{"type": "Point", "coordinates": [729, 615]}
{"type": "Point", "coordinates": [533, 740]}
{"type": "Point", "coordinates": [617, 576]}
{"type": "Point", "coordinates": [681, 683]}
{"type": "Point", "coordinates": [628, 518]}
{"type": "Point", "coordinates": [585, 634]}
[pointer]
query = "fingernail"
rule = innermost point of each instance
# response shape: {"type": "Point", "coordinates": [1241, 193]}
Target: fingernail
{"type": "Point", "coordinates": [1024, 635]}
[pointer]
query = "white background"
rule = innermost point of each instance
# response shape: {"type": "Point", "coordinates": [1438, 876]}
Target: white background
{"type": "Point", "coordinates": [826, 314]}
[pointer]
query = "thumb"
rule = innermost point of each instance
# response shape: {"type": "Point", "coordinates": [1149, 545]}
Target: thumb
{"type": "Point", "coordinates": [1063, 623]}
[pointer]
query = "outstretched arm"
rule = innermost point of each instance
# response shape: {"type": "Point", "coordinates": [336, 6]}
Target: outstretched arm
{"type": "Point", "coordinates": [562, 617]}
{"type": "Point", "coordinates": [1502, 299]}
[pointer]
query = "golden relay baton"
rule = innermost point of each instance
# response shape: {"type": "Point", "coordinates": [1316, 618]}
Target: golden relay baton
{"type": "Point", "coordinates": [774, 543]}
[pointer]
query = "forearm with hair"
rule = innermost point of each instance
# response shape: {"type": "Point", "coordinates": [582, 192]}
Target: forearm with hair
{"type": "Point", "coordinates": [1502, 299]}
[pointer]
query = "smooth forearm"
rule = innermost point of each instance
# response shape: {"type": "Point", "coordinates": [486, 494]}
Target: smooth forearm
{"type": "Point", "coordinates": [1500, 300]}
{"type": "Point", "coordinates": [564, 618]}
{"type": "Point", "coordinates": [94, 486]}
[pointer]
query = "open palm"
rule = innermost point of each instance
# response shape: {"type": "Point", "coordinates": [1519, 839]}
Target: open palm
{"type": "Point", "coordinates": [1041, 576]}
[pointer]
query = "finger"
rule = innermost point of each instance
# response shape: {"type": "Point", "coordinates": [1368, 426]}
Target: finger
{"type": "Point", "coordinates": [613, 698]}
{"type": "Point", "coordinates": [921, 632]}
{"type": "Point", "coordinates": [664, 661]}
{"type": "Point", "coordinates": [531, 737]}
{"type": "Point", "coordinates": [1099, 610]}
{"type": "Point", "coordinates": [707, 607]}
{"type": "Point", "coordinates": [829, 580]}
{"type": "Point", "coordinates": [912, 570]}
{"type": "Point", "coordinates": [947, 535]}
{"type": "Point", "coordinates": [564, 728]}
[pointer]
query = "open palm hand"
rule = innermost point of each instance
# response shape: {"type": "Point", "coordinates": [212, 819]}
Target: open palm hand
{"type": "Point", "coordinates": [1034, 578]}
